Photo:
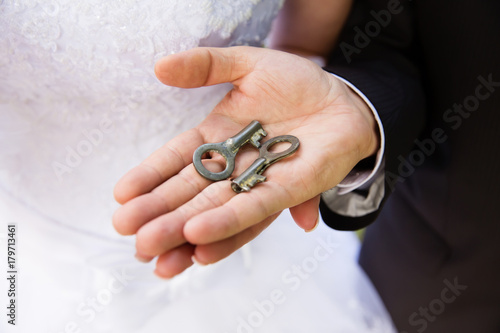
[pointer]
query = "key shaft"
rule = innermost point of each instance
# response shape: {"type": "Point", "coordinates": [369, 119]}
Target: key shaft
{"type": "Point", "coordinates": [252, 134]}
{"type": "Point", "coordinates": [253, 174]}
{"type": "Point", "coordinates": [228, 149]}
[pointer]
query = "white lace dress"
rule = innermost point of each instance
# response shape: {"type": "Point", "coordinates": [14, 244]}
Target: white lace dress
{"type": "Point", "coordinates": [79, 106]}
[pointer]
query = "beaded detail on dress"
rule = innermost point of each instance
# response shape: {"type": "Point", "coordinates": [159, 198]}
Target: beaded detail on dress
{"type": "Point", "coordinates": [79, 102]}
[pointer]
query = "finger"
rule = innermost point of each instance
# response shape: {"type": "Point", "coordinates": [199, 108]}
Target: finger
{"type": "Point", "coordinates": [165, 198]}
{"type": "Point", "coordinates": [306, 215]}
{"type": "Point", "coordinates": [206, 66]}
{"type": "Point", "coordinates": [213, 252]}
{"type": "Point", "coordinates": [184, 196]}
{"type": "Point", "coordinates": [143, 258]}
{"type": "Point", "coordinates": [128, 218]}
{"type": "Point", "coordinates": [238, 214]}
{"type": "Point", "coordinates": [174, 262]}
{"type": "Point", "coordinates": [161, 165]}
{"type": "Point", "coordinates": [166, 232]}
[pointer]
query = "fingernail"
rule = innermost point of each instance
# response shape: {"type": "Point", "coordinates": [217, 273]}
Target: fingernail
{"type": "Point", "coordinates": [161, 277]}
{"type": "Point", "coordinates": [193, 258]}
{"type": "Point", "coordinates": [144, 259]}
{"type": "Point", "coordinates": [315, 226]}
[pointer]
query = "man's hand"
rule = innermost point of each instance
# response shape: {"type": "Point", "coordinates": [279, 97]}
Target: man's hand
{"type": "Point", "coordinates": [177, 214]}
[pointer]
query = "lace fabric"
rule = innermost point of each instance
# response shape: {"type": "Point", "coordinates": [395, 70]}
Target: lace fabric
{"type": "Point", "coordinates": [79, 103]}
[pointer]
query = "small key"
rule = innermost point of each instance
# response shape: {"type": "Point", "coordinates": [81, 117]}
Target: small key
{"type": "Point", "coordinates": [228, 149]}
{"type": "Point", "coordinates": [253, 174]}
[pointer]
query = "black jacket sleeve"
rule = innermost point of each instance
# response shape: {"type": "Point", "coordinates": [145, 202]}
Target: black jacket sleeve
{"type": "Point", "coordinates": [378, 53]}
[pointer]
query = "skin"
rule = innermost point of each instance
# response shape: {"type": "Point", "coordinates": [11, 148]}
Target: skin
{"type": "Point", "coordinates": [176, 214]}
{"type": "Point", "coordinates": [309, 27]}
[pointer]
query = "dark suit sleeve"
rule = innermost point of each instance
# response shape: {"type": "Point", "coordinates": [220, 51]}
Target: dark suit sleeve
{"type": "Point", "coordinates": [378, 53]}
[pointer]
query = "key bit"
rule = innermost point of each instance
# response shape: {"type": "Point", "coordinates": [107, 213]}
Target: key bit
{"type": "Point", "coordinates": [252, 134]}
{"type": "Point", "coordinates": [253, 175]}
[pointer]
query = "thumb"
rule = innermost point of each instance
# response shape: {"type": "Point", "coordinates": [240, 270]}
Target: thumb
{"type": "Point", "coordinates": [306, 215]}
{"type": "Point", "coordinates": [204, 66]}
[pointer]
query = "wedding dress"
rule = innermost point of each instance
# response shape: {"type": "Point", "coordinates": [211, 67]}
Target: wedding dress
{"type": "Point", "coordinates": [79, 106]}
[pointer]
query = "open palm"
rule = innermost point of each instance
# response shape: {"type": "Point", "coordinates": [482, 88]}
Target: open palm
{"type": "Point", "coordinates": [177, 214]}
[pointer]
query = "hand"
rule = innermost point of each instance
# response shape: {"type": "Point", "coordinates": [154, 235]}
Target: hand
{"type": "Point", "coordinates": [177, 214]}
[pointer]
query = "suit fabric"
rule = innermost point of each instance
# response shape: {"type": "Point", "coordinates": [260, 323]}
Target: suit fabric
{"type": "Point", "coordinates": [433, 74]}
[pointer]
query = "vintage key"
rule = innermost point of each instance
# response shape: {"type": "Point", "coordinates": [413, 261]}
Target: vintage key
{"type": "Point", "coordinates": [253, 174]}
{"type": "Point", "coordinates": [228, 149]}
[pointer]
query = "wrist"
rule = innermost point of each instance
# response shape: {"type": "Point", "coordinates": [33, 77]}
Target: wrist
{"type": "Point", "coordinates": [373, 143]}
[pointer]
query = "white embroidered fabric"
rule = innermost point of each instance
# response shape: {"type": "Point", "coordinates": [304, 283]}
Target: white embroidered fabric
{"type": "Point", "coordinates": [79, 106]}
{"type": "Point", "coordinates": [79, 94]}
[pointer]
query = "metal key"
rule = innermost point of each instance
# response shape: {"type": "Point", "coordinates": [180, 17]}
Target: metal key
{"type": "Point", "coordinates": [228, 149]}
{"type": "Point", "coordinates": [253, 174]}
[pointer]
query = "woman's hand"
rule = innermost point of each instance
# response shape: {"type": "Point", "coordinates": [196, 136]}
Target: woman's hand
{"type": "Point", "coordinates": [177, 214]}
